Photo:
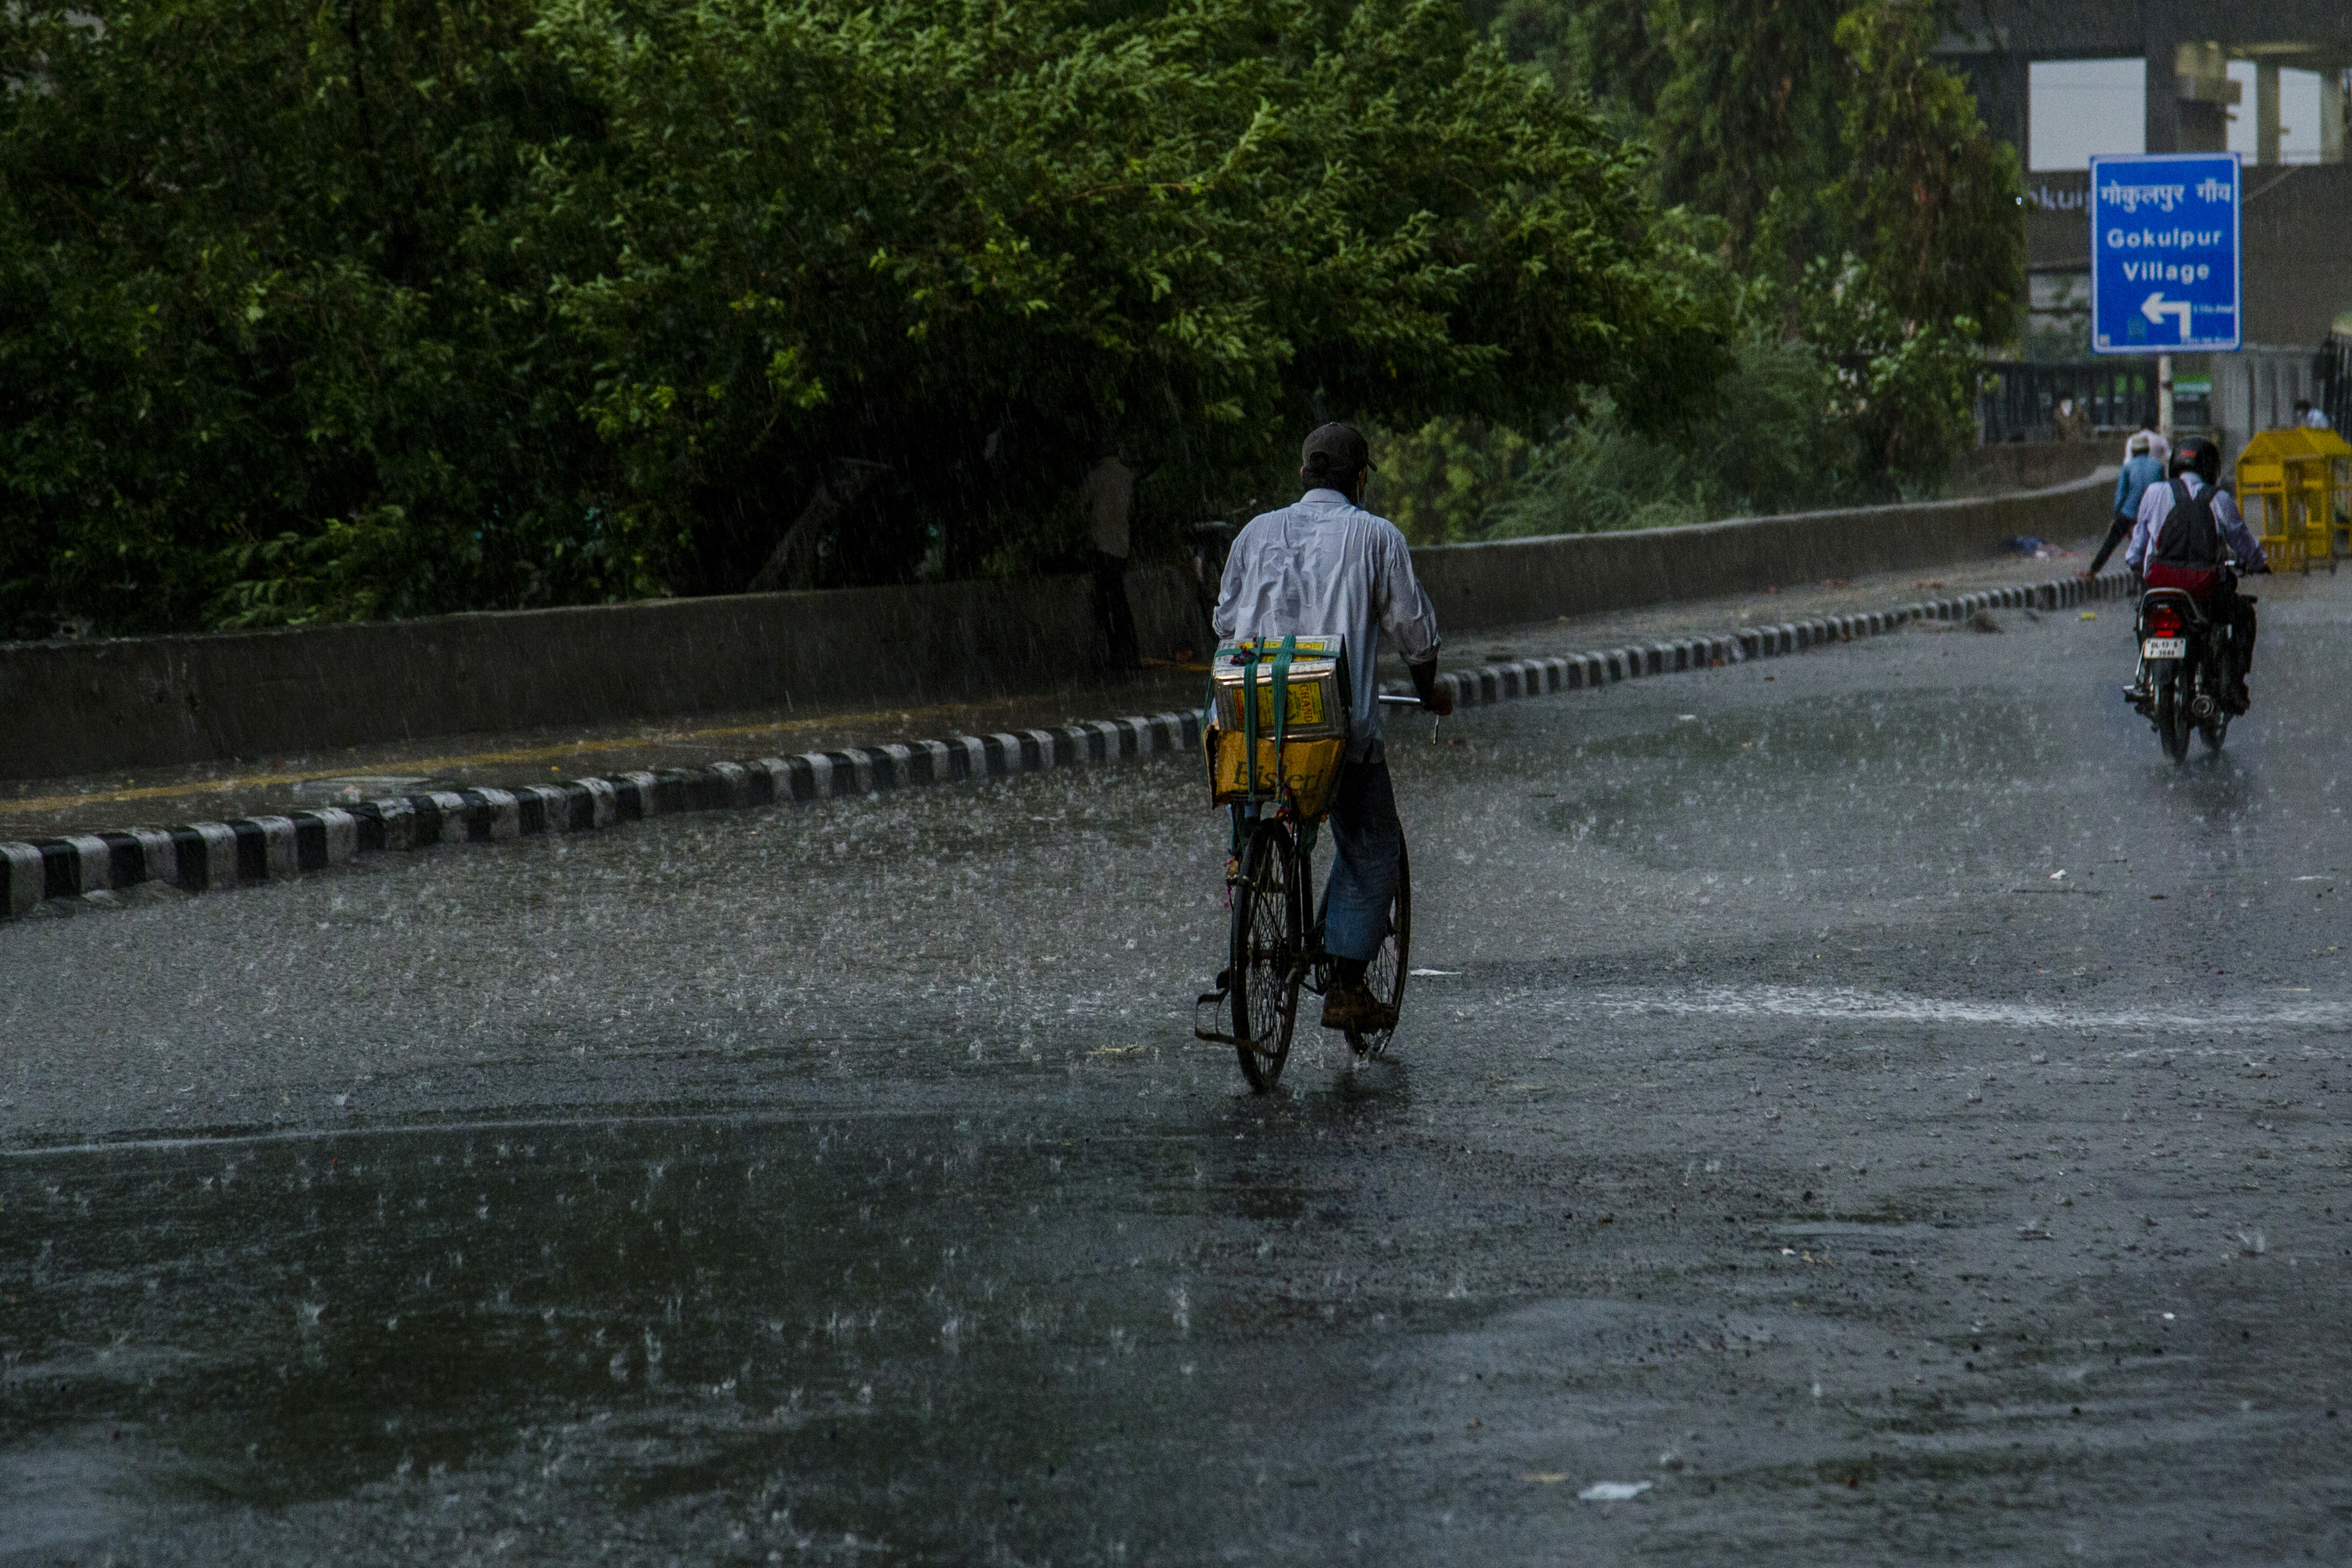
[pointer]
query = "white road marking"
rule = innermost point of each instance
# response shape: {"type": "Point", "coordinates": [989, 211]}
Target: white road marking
{"type": "Point", "coordinates": [1900, 1007]}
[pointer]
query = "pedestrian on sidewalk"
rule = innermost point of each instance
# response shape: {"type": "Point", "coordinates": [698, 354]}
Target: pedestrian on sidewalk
{"type": "Point", "coordinates": [1105, 499]}
{"type": "Point", "coordinates": [2142, 467]}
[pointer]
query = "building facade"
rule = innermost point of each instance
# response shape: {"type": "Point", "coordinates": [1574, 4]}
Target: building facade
{"type": "Point", "coordinates": [2251, 74]}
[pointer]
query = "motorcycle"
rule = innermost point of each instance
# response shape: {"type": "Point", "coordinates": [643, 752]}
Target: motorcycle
{"type": "Point", "coordinates": [2187, 666]}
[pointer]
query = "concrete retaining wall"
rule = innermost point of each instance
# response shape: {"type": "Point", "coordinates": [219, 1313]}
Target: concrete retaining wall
{"type": "Point", "coordinates": [83, 708]}
{"type": "Point", "coordinates": [1509, 581]}
{"type": "Point", "coordinates": [2032, 464]}
{"type": "Point", "coordinates": [78, 708]}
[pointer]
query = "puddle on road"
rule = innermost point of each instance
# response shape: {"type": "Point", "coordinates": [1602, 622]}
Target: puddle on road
{"type": "Point", "coordinates": [731, 1337]}
{"type": "Point", "coordinates": [737, 1332]}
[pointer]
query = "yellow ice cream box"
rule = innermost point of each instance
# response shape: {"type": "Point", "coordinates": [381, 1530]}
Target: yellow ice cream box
{"type": "Point", "coordinates": [1316, 696]}
{"type": "Point", "coordinates": [1310, 770]}
{"type": "Point", "coordinates": [1316, 708]}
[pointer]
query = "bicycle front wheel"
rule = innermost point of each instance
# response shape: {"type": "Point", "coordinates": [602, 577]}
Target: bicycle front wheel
{"type": "Point", "coordinates": [1384, 977]}
{"type": "Point", "coordinates": [1269, 952]}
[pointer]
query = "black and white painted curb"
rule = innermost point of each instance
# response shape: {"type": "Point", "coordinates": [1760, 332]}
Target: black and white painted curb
{"type": "Point", "coordinates": [208, 856]}
{"type": "Point", "coordinates": [1540, 677]}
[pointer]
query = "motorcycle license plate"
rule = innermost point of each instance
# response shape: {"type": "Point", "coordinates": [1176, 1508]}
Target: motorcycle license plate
{"type": "Point", "coordinates": [2164, 647]}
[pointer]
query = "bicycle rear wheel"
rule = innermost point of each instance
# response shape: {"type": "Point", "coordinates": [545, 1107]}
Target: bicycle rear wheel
{"type": "Point", "coordinates": [1269, 951]}
{"type": "Point", "coordinates": [1384, 977]}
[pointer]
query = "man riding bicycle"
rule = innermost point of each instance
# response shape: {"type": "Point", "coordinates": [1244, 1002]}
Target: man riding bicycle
{"type": "Point", "coordinates": [1320, 566]}
{"type": "Point", "coordinates": [2185, 528]}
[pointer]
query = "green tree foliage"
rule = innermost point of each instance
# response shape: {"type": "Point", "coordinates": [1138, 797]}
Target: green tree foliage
{"type": "Point", "coordinates": [1450, 481]}
{"type": "Point", "coordinates": [264, 295]}
{"type": "Point", "coordinates": [1873, 216]}
{"type": "Point", "coordinates": [399, 306]}
{"type": "Point", "coordinates": [1203, 225]}
{"type": "Point", "coordinates": [1779, 437]}
{"type": "Point", "coordinates": [1747, 126]}
{"type": "Point", "coordinates": [1933, 266]}
{"type": "Point", "coordinates": [1606, 53]}
{"type": "Point", "coordinates": [1927, 199]}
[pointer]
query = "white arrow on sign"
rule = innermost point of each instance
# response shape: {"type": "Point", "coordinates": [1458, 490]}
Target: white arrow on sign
{"type": "Point", "coordinates": [2156, 307]}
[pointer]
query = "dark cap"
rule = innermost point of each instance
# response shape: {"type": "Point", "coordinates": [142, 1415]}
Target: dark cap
{"type": "Point", "coordinates": [1334, 452]}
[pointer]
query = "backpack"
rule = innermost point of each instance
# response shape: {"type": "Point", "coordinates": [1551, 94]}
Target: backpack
{"type": "Point", "coordinates": [2189, 538]}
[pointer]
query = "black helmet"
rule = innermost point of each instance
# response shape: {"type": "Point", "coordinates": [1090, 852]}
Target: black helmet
{"type": "Point", "coordinates": [2196, 453]}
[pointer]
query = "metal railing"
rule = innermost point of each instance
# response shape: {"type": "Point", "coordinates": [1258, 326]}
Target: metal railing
{"type": "Point", "coordinates": [2331, 379]}
{"type": "Point", "coordinates": [2019, 402]}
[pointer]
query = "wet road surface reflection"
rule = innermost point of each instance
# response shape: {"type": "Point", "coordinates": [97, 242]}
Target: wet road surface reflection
{"type": "Point", "coordinates": [1872, 1109]}
{"type": "Point", "coordinates": [917, 1333]}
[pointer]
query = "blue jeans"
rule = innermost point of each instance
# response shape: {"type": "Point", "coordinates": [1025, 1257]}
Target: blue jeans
{"type": "Point", "coordinates": [1366, 839]}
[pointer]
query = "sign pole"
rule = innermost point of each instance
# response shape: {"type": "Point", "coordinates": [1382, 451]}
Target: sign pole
{"type": "Point", "coordinates": [2164, 397]}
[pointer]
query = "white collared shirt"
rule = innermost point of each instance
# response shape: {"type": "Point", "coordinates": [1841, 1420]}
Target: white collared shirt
{"type": "Point", "coordinates": [1325, 565]}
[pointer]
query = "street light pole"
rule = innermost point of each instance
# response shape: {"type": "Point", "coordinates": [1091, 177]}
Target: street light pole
{"type": "Point", "coordinates": [2164, 397]}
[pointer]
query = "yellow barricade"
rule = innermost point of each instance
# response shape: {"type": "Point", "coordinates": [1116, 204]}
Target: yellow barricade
{"type": "Point", "coordinates": [2294, 486]}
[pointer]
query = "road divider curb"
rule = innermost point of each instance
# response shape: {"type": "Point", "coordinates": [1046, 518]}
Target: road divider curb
{"type": "Point", "coordinates": [209, 857]}
{"type": "Point", "coordinates": [1494, 683]}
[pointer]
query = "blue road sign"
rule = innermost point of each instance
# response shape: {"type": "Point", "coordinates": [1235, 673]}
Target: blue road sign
{"type": "Point", "coordinates": [2164, 254]}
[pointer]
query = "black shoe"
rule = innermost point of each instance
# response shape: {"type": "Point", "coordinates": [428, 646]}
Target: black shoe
{"type": "Point", "coordinates": [2240, 698]}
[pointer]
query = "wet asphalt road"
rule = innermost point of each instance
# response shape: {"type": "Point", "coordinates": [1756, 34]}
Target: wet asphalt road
{"type": "Point", "coordinates": [1785, 1132]}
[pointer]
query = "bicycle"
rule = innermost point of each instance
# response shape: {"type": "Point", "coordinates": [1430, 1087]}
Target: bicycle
{"type": "Point", "coordinates": [1274, 951]}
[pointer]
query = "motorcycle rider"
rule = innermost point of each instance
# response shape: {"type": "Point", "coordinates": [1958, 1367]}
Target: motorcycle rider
{"type": "Point", "coordinates": [1320, 565]}
{"type": "Point", "coordinates": [2185, 527]}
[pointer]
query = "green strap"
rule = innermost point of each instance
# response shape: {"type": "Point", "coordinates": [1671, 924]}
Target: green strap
{"type": "Point", "coordinates": [1249, 723]}
{"type": "Point", "coordinates": [1307, 828]}
{"type": "Point", "coordinates": [1280, 689]}
{"type": "Point", "coordinates": [1281, 706]}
